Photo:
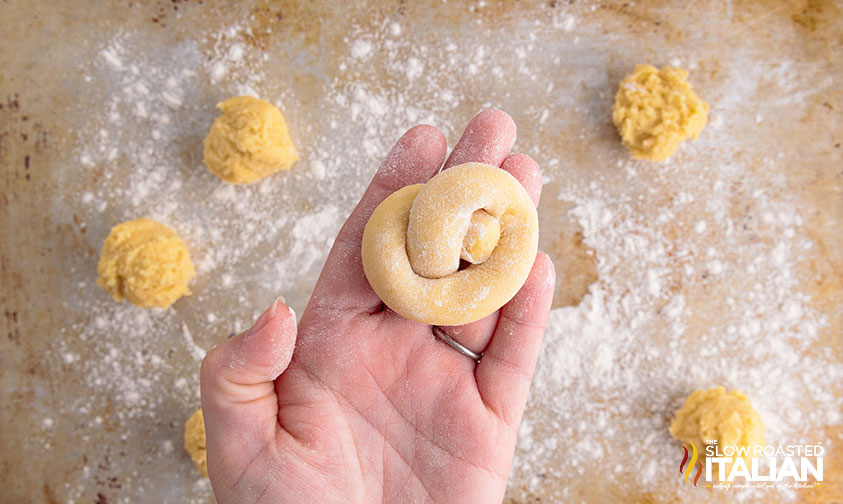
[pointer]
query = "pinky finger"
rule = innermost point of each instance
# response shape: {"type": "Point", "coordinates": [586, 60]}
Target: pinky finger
{"type": "Point", "coordinates": [506, 369]}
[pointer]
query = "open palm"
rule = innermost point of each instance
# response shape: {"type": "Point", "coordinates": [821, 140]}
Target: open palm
{"type": "Point", "coordinates": [362, 405]}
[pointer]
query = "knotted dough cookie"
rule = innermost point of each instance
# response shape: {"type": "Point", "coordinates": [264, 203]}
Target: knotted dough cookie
{"type": "Point", "coordinates": [415, 238]}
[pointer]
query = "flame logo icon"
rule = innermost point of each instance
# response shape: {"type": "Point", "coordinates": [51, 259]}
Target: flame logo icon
{"type": "Point", "coordinates": [686, 469]}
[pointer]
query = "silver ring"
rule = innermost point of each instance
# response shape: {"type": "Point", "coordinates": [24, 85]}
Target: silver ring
{"type": "Point", "coordinates": [443, 336]}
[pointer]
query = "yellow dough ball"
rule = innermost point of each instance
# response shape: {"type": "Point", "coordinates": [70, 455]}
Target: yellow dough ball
{"type": "Point", "coordinates": [194, 441]}
{"type": "Point", "coordinates": [655, 110]}
{"type": "Point", "coordinates": [714, 416]}
{"type": "Point", "coordinates": [145, 262]}
{"type": "Point", "coordinates": [248, 142]}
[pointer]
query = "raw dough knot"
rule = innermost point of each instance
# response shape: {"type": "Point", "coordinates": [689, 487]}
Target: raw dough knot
{"type": "Point", "coordinates": [415, 238]}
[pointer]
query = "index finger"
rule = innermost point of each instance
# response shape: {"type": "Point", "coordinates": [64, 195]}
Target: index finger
{"type": "Point", "coordinates": [488, 138]}
{"type": "Point", "coordinates": [416, 157]}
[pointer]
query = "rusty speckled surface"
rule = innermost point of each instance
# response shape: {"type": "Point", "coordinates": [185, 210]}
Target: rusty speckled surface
{"type": "Point", "coordinates": [48, 245]}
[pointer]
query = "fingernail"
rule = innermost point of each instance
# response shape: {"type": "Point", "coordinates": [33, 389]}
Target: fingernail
{"type": "Point", "coordinates": [266, 316]}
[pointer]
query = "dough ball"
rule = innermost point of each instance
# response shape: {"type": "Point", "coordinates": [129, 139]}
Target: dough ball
{"type": "Point", "coordinates": [145, 262]}
{"type": "Point", "coordinates": [655, 110]}
{"type": "Point", "coordinates": [481, 238]}
{"type": "Point", "coordinates": [194, 441]}
{"type": "Point", "coordinates": [713, 415]}
{"type": "Point", "coordinates": [248, 142]}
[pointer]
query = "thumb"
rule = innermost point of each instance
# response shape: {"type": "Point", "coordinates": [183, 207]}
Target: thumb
{"type": "Point", "coordinates": [236, 380]}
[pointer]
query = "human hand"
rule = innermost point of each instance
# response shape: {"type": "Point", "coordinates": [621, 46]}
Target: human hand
{"type": "Point", "coordinates": [363, 405]}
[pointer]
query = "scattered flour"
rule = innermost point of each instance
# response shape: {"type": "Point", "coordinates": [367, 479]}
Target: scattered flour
{"type": "Point", "coordinates": [612, 370]}
{"type": "Point", "coordinates": [648, 332]}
